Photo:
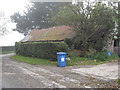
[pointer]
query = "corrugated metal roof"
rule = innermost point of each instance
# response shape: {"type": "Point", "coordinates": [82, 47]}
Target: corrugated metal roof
{"type": "Point", "coordinates": [54, 33]}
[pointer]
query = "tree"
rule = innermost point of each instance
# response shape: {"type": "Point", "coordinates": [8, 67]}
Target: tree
{"type": "Point", "coordinates": [119, 19]}
{"type": "Point", "coordinates": [37, 16]}
{"type": "Point", "coordinates": [3, 25]}
{"type": "Point", "coordinates": [92, 22]}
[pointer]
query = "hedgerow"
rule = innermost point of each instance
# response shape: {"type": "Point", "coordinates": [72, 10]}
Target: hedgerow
{"type": "Point", "coordinates": [45, 50]}
{"type": "Point", "coordinates": [7, 48]}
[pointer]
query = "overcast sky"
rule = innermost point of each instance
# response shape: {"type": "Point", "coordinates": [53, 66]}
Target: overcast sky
{"type": "Point", "coordinates": [9, 7]}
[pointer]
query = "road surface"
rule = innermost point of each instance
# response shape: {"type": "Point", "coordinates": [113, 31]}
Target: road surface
{"type": "Point", "coordinates": [22, 75]}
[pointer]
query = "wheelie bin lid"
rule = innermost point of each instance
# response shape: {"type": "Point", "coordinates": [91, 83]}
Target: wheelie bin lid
{"type": "Point", "coordinates": [61, 53]}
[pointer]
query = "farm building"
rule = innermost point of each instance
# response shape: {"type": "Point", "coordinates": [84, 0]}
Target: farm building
{"type": "Point", "coordinates": [60, 33]}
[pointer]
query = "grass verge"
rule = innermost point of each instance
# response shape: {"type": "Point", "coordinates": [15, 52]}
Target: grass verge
{"type": "Point", "coordinates": [6, 52]}
{"type": "Point", "coordinates": [34, 61]}
{"type": "Point", "coordinates": [118, 81]}
{"type": "Point", "coordinates": [84, 61]}
{"type": "Point", "coordinates": [73, 62]}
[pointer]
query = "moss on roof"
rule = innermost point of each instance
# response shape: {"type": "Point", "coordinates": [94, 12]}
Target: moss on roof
{"type": "Point", "coordinates": [55, 33]}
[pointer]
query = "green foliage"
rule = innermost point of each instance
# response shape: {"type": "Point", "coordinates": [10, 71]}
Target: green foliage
{"type": "Point", "coordinates": [46, 50]}
{"type": "Point", "coordinates": [93, 24]}
{"type": "Point", "coordinates": [34, 61]}
{"type": "Point", "coordinates": [118, 81]}
{"type": "Point", "coordinates": [118, 19]}
{"type": "Point", "coordinates": [103, 56]}
{"type": "Point", "coordinates": [38, 61]}
{"type": "Point", "coordinates": [7, 48]}
{"type": "Point", "coordinates": [65, 16]}
{"type": "Point", "coordinates": [73, 62]}
{"type": "Point", "coordinates": [93, 59]}
{"type": "Point", "coordinates": [69, 42]}
{"type": "Point", "coordinates": [17, 47]}
{"type": "Point", "coordinates": [7, 52]}
{"type": "Point", "coordinates": [37, 17]}
{"type": "Point", "coordinates": [83, 61]}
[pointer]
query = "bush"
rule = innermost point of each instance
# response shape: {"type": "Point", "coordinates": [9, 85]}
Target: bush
{"type": "Point", "coordinates": [45, 50]}
{"type": "Point", "coordinates": [103, 56]}
{"type": "Point", "coordinates": [7, 48]}
{"type": "Point", "coordinates": [69, 42]}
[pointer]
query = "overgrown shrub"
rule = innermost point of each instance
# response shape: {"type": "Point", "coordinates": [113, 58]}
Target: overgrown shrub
{"type": "Point", "coordinates": [103, 56]}
{"type": "Point", "coordinates": [69, 42]}
{"type": "Point", "coordinates": [45, 50]}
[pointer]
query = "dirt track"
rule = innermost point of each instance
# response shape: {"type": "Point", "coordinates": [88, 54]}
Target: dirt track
{"type": "Point", "coordinates": [21, 75]}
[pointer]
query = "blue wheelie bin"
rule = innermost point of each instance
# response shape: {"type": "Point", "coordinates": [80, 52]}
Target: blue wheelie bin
{"type": "Point", "coordinates": [61, 57]}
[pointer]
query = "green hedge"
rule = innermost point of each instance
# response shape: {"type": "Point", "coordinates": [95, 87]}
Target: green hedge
{"type": "Point", "coordinates": [45, 50]}
{"type": "Point", "coordinates": [7, 48]}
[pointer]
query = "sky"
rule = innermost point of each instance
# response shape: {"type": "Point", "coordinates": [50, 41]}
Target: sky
{"type": "Point", "coordinates": [8, 7]}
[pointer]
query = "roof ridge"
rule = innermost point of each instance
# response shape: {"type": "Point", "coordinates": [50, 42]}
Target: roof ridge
{"type": "Point", "coordinates": [52, 27]}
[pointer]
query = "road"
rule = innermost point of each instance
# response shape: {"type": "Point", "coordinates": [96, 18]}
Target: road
{"type": "Point", "coordinates": [22, 75]}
